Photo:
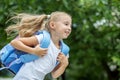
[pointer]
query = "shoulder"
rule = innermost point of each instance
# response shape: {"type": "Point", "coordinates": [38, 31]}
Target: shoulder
{"type": "Point", "coordinates": [39, 37]}
{"type": "Point", "coordinates": [43, 37]}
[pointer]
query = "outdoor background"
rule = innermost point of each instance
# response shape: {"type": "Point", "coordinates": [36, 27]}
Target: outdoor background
{"type": "Point", "coordinates": [95, 37]}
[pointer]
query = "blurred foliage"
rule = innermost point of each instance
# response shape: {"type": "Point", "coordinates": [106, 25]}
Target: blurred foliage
{"type": "Point", "coordinates": [95, 37]}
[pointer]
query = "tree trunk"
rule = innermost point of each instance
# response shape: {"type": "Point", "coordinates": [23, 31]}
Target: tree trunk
{"type": "Point", "coordinates": [112, 75]}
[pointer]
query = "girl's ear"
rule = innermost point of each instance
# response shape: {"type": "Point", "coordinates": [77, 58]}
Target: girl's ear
{"type": "Point", "coordinates": [52, 25]}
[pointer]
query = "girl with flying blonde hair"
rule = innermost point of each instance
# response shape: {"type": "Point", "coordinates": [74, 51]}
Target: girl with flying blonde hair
{"type": "Point", "coordinates": [58, 24]}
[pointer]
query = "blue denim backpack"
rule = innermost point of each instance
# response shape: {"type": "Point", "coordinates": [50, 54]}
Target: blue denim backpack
{"type": "Point", "coordinates": [13, 59]}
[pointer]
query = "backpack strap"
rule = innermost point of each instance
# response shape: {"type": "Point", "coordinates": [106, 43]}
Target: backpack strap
{"type": "Point", "coordinates": [64, 48]}
{"type": "Point", "coordinates": [46, 38]}
{"type": "Point", "coordinates": [44, 44]}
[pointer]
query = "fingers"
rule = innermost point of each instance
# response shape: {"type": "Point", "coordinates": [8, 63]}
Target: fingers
{"type": "Point", "coordinates": [42, 55]}
{"type": "Point", "coordinates": [40, 51]}
{"type": "Point", "coordinates": [61, 57]}
{"type": "Point", "coordinates": [43, 52]}
{"type": "Point", "coordinates": [44, 49]}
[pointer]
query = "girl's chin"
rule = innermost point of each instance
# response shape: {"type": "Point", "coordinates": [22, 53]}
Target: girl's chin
{"type": "Point", "coordinates": [65, 37]}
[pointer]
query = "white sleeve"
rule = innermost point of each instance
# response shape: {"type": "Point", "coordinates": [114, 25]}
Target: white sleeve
{"type": "Point", "coordinates": [39, 37]}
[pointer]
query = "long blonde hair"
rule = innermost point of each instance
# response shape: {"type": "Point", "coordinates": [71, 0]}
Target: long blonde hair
{"type": "Point", "coordinates": [26, 24]}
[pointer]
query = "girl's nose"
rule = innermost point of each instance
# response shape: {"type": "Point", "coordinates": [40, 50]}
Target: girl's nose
{"type": "Point", "coordinates": [69, 28]}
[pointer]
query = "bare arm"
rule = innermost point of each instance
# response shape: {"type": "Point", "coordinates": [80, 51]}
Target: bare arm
{"type": "Point", "coordinates": [29, 45]}
{"type": "Point", "coordinates": [60, 68]}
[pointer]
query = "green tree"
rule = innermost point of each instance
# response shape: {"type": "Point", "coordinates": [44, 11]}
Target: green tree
{"type": "Point", "coordinates": [96, 31]}
{"type": "Point", "coordinates": [95, 38]}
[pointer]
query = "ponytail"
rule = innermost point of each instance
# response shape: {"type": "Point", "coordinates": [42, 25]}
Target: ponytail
{"type": "Point", "coordinates": [26, 25]}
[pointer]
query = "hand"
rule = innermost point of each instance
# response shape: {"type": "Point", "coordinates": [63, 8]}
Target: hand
{"type": "Point", "coordinates": [40, 51]}
{"type": "Point", "coordinates": [63, 59]}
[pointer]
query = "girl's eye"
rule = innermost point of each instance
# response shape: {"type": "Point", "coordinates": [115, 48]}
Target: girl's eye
{"type": "Point", "coordinates": [66, 24]}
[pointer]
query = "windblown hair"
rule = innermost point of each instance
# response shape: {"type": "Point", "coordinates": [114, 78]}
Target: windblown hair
{"type": "Point", "coordinates": [26, 24]}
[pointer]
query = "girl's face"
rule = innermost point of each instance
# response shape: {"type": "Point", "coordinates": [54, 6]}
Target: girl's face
{"type": "Point", "coordinates": [62, 27]}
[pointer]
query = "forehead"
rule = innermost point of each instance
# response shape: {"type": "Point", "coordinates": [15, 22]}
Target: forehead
{"type": "Point", "coordinates": [63, 18]}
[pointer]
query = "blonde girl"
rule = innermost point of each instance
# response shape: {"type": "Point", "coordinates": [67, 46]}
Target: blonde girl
{"type": "Point", "coordinates": [58, 24]}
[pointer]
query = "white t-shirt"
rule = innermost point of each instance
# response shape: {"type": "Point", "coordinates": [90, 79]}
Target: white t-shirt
{"type": "Point", "coordinates": [48, 62]}
{"type": "Point", "coordinates": [37, 69]}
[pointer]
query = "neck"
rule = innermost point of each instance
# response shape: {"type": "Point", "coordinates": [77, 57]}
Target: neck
{"type": "Point", "coordinates": [56, 41]}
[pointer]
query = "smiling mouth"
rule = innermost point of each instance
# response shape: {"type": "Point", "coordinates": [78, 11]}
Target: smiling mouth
{"type": "Point", "coordinates": [67, 32]}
